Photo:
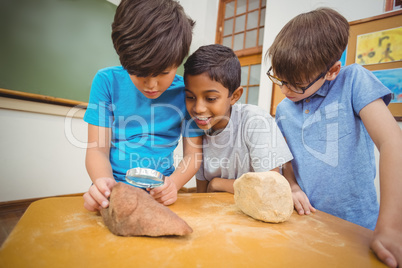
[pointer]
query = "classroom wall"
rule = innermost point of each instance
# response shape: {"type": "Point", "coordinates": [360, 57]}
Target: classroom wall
{"type": "Point", "coordinates": [41, 150]}
{"type": "Point", "coordinates": [42, 153]}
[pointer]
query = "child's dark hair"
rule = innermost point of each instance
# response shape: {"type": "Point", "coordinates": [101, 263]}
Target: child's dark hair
{"type": "Point", "coordinates": [308, 45]}
{"type": "Point", "coordinates": [220, 63]}
{"type": "Point", "coordinates": [151, 36]}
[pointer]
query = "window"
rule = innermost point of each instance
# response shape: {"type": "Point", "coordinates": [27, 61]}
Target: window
{"type": "Point", "coordinates": [241, 27]}
{"type": "Point", "coordinates": [250, 78]}
{"type": "Point", "coordinates": [393, 5]}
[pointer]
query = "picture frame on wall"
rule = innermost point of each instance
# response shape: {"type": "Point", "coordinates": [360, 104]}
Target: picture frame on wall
{"type": "Point", "coordinates": [385, 48]}
{"type": "Point", "coordinates": [391, 78]}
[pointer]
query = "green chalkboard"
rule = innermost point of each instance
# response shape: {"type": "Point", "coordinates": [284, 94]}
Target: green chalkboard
{"type": "Point", "coordinates": [55, 47]}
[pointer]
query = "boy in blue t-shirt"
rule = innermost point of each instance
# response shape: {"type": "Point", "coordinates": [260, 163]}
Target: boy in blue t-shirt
{"type": "Point", "coordinates": [330, 118]}
{"type": "Point", "coordinates": [136, 111]}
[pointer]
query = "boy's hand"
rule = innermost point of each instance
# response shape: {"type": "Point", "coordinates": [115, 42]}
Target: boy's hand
{"type": "Point", "coordinates": [387, 245]}
{"type": "Point", "coordinates": [97, 195]}
{"type": "Point", "coordinates": [301, 201]}
{"type": "Point", "coordinates": [165, 194]}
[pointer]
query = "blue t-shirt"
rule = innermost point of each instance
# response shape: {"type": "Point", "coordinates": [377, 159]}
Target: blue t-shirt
{"type": "Point", "coordinates": [333, 154]}
{"type": "Point", "coordinates": [145, 131]}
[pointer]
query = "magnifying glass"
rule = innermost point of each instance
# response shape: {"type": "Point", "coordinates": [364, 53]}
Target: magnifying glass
{"type": "Point", "coordinates": [145, 178]}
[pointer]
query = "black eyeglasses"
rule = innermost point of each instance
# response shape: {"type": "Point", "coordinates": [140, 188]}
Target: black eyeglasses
{"type": "Point", "coordinates": [296, 89]}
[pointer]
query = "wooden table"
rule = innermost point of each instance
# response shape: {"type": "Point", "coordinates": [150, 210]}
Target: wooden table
{"type": "Point", "coordinates": [59, 232]}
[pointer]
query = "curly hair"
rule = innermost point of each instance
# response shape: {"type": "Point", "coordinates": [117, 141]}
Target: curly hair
{"type": "Point", "coordinates": [151, 36]}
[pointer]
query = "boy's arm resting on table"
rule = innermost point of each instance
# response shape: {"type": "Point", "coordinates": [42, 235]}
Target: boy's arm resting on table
{"type": "Point", "coordinates": [387, 136]}
{"type": "Point", "coordinates": [301, 202]}
{"type": "Point", "coordinates": [99, 168]}
{"type": "Point", "coordinates": [224, 185]}
{"type": "Point", "coordinates": [220, 185]}
{"type": "Point", "coordinates": [188, 166]}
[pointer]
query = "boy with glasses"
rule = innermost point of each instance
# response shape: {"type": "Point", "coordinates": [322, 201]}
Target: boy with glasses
{"type": "Point", "coordinates": [330, 118]}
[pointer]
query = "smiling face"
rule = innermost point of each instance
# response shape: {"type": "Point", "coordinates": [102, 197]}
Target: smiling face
{"type": "Point", "coordinates": [153, 86]}
{"type": "Point", "coordinates": [208, 102]}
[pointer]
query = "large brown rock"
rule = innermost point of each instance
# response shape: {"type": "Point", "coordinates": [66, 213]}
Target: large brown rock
{"type": "Point", "coordinates": [265, 196]}
{"type": "Point", "coordinates": [133, 212]}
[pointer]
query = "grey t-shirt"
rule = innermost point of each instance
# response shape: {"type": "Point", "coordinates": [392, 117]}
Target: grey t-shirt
{"type": "Point", "coordinates": [251, 142]}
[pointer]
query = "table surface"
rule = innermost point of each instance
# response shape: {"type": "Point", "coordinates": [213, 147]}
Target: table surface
{"type": "Point", "coordinates": [59, 232]}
